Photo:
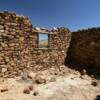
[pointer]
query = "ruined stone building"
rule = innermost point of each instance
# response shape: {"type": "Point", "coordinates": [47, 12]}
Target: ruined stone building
{"type": "Point", "coordinates": [20, 49]}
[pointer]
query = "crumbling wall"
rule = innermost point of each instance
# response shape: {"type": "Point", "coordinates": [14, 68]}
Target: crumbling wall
{"type": "Point", "coordinates": [14, 33]}
{"type": "Point", "coordinates": [61, 40]}
{"type": "Point", "coordinates": [53, 56]}
{"type": "Point", "coordinates": [85, 48]}
{"type": "Point", "coordinates": [19, 46]}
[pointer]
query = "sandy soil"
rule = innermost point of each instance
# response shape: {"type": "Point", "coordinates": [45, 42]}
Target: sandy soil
{"type": "Point", "coordinates": [68, 87]}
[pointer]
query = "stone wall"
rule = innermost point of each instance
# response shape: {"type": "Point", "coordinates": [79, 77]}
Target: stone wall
{"type": "Point", "coordinates": [54, 56]}
{"type": "Point", "coordinates": [85, 48]}
{"type": "Point", "coordinates": [19, 46]}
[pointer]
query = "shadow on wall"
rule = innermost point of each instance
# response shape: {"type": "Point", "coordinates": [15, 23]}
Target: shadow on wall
{"type": "Point", "coordinates": [84, 51]}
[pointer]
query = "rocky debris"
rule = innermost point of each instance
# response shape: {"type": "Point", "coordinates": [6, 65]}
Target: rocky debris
{"type": "Point", "coordinates": [35, 93]}
{"type": "Point", "coordinates": [97, 97]}
{"type": "Point", "coordinates": [72, 78]}
{"type": "Point", "coordinates": [24, 76]}
{"type": "Point", "coordinates": [30, 87]}
{"type": "Point", "coordinates": [31, 75]}
{"type": "Point", "coordinates": [40, 79]}
{"type": "Point", "coordinates": [64, 87]}
{"type": "Point", "coordinates": [4, 70]}
{"type": "Point", "coordinates": [54, 71]}
{"type": "Point", "coordinates": [26, 91]}
{"type": "Point", "coordinates": [83, 72]}
{"type": "Point", "coordinates": [81, 76]}
{"type": "Point", "coordinates": [52, 79]}
{"type": "Point", "coordinates": [94, 83]}
{"type": "Point", "coordinates": [4, 89]}
{"type": "Point", "coordinates": [1, 80]}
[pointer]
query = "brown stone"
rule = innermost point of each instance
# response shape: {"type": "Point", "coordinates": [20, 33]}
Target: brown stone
{"type": "Point", "coordinates": [4, 70]}
{"type": "Point", "coordinates": [31, 75]}
{"type": "Point", "coordinates": [26, 91]}
{"type": "Point", "coordinates": [94, 83]}
{"type": "Point", "coordinates": [35, 93]}
{"type": "Point", "coordinates": [4, 89]}
{"type": "Point", "coordinates": [52, 79]}
{"type": "Point", "coordinates": [40, 79]}
{"type": "Point", "coordinates": [30, 87]}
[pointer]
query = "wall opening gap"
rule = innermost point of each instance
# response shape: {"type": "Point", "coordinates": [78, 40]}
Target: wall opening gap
{"type": "Point", "coordinates": [43, 40]}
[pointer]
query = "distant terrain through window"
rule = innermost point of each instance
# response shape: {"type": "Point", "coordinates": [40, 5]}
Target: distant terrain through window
{"type": "Point", "coordinates": [43, 40]}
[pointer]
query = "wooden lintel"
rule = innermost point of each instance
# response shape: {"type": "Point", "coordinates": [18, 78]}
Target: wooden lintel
{"type": "Point", "coordinates": [44, 31]}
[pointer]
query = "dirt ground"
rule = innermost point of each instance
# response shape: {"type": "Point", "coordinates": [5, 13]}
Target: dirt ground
{"type": "Point", "coordinates": [71, 86]}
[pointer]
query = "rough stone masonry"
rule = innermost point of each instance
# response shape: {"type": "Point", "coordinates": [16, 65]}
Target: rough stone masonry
{"type": "Point", "coordinates": [84, 50]}
{"type": "Point", "coordinates": [19, 50]}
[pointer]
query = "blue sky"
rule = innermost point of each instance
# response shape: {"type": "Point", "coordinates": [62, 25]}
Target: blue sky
{"type": "Point", "coordinates": [74, 14]}
{"type": "Point", "coordinates": [43, 37]}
